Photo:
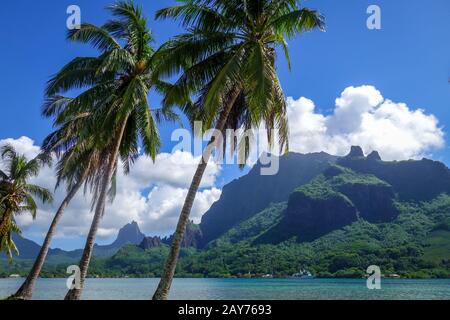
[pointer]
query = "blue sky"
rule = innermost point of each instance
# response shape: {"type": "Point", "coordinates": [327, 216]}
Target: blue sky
{"type": "Point", "coordinates": [408, 60]}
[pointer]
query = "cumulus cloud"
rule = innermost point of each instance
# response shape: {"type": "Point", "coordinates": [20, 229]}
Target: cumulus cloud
{"type": "Point", "coordinates": [23, 145]}
{"type": "Point", "coordinates": [175, 169]}
{"type": "Point", "coordinates": [152, 195]}
{"type": "Point", "coordinates": [164, 207]}
{"type": "Point", "coordinates": [363, 117]}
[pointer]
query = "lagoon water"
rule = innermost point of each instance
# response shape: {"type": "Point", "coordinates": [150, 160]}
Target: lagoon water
{"type": "Point", "coordinates": [241, 289]}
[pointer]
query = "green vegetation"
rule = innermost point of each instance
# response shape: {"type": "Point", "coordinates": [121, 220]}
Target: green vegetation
{"type": "Point", "coordinates": [17, 194]}
{"type": "Point", "coordinates": [437, 246]}
{"type": "Point", "coordinates": [414, 245]}
{"type": "Point", "coordinates": [348, 176]}
{"type": "Point", "coordinates": [405, 246]}
{"type": "Point", "coordinates": [319, 189]}
{"type": "Point", "coordinates": [256, 225]}
{"type": "Point", "coordinates": [325, 186]}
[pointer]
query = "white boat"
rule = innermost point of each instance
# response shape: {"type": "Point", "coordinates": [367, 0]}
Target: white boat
{"type": "Point", "coordinates": [303, 274]}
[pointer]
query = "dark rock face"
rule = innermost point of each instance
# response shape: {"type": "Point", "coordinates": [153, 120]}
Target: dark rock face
{"type": "Point", "coordinates": [129, 234]}
{"type": "Point", "coordinates": [374, 156]}
{"type": "Point", "coordinates": [375, 203]}
{"type": "Point", "coordinates": [311, 218]}
{"type": "Point", "coordinates": [416, 180]}
{"type": "Point", "coordinates": [336, 199]}
{"type": "Point", "coordinates": [355, 152]}
{"type": "Point", "coordinates": [150, 242]}
{"type": "Point", "coordinates": [192, 236]}
{"type": "Point", "coordinates": [250, 194]}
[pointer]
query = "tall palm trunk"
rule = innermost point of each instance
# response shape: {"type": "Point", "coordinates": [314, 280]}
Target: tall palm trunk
{"type": "Point", "coordinates": [25, 292]}
{"type": "Point", "coordinates": [4, 222]}
{"type": "Point", "coordinates": [75, 294]}
{"type": "Point", "coordinates": [162, 292]}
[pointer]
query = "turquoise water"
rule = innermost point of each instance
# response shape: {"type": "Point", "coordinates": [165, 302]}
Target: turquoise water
{"type": "Point", "coordinates": [241, 289]}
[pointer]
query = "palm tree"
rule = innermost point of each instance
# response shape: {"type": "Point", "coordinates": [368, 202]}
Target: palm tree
{"type": "Point", "coordinates": [227, 62]}
{"type": "Point", "coordinates": [17, 195]}
{"type": "Point", "coordinates": [79, 164]}
{"type": "Point", "coordinates": [114, 101]}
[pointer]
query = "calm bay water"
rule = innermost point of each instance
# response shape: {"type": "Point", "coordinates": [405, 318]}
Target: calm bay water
{"type": "Point", "coordinates": [241, 289]}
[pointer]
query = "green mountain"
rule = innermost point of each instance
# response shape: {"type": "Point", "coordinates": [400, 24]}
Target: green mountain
{"type": "Point", "coordinates": [250, 194]}
{"type": "Point", "coordinates": [414, 244]}
{"type": "Point", "coordinates": [413, 180]}
{"type": "Point", "coordinates": [335, 199]}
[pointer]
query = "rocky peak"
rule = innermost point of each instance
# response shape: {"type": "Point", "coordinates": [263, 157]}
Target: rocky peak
{"type": "Point", "coordinates": [150, 242]}
{"type": "Point", "coordinates": [355, 152]}
{"type": "Point", "coordinates": [374, 156]}
{"type": "Point", "coordinates": [192, 236]}
{"type": "Point", "coordinates": [129, 234]}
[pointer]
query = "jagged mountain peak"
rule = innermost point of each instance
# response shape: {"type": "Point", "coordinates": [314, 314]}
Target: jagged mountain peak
{"type": "Point", "coordinates": [374, 155]}
{"type": "Point", "coordinates": [355, 152]}
{"type": "Point", "coordinates": [150, 242]}
{"type": "Point", "coordinates": [129, 234]}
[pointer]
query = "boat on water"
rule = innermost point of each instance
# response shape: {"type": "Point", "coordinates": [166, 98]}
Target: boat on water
{"type": "Point", "coordinates": [303, 274]}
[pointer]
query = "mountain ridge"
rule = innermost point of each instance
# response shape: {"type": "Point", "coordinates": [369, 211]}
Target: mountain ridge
{"type": "Point", "coordinates": [401, 226]}
{"type": "Point", "coordinates": [128, 234]}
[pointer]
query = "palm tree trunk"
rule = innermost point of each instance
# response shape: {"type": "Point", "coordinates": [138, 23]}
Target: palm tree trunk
{"type": "Point", "coordinates": [25, 292]}
{"type": "Point", "coordinates": [162, 292]}
{"type": "Point", "coordinates": [75, 294]}
{"type": "Point", "coordinates": [2, 224]}
{"type": "Point", "coordinates": [5, 219]}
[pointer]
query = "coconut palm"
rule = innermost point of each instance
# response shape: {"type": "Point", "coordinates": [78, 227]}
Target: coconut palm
{"type": "Point", "coordinates": [79, 163]}
{"type": "Point", "coordinates": [17, 195]}
{"type": "Point", "coordinates": [114, 87]}
{"type": "Point", "coordinates": [118, 102]}
{"type": "Point", "coordinates": [227, 64]}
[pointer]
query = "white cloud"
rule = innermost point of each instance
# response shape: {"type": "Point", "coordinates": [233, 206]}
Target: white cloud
{"type": "Point", "coordinates": [175, 169]}
{"type": "Point", "coordinates": [350, 108]}
{"type": "Point", "coordinates": [165, 181]}
{"type": "Point", "coordinates": [363, 117]}
{"type": "Point", "coordinates": [23, 145]}
{"type": "Point", "coordinates": [164, 207]}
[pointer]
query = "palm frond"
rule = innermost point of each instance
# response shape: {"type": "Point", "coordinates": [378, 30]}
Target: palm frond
{"type": "Point", "coordinates": [298, 21]}
{"type": "Point", "coordinates": [43, 194]}
{"type": "Point", "coordinates": [96, 36]}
